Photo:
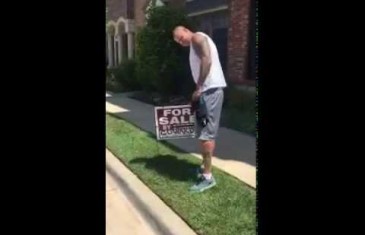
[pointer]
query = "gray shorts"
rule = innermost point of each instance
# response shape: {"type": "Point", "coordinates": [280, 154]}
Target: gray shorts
{"type": "Point", "coordinates": [211, 102]}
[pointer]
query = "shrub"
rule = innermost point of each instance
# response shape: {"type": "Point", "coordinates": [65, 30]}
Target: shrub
{"type": "Point", "coordinates": [159, 59]}
{"type": "Point", "coordinates": [125, 75]}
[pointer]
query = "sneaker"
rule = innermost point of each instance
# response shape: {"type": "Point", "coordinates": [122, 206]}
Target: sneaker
{"type": "Point", "coordinates": [203, 184]}
{"type": "Point", "coordinates": [199, 172]}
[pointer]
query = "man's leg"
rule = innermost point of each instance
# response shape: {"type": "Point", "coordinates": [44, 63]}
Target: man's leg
{"type": "Point", "coordinates": [212, 105]}
{"type": "Point", "coordinates": [206, 179]}
{"type": "Point", "coordinates": [207, 147]}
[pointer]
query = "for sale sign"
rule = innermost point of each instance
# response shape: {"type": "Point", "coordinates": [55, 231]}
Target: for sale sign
{"type": "Point", "coordinates": [174, 122]}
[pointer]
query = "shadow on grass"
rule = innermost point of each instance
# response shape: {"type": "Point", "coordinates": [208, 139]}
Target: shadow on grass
{"type": "Point", "coordinates": [169, 166]}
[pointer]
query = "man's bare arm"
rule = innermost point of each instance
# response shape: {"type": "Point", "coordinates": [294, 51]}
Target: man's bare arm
{"type": "Point", "coordinates": [201, 47]}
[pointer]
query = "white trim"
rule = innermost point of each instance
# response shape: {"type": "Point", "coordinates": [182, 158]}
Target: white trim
{"type": "Point", "coordinates": [110, 52]}
{"type": "Point", "coordinates": [173, 106]}
{"type": "Point", "coordinates": [121, 19]}
{"type": "Point", "coordinates": [110, 27]}
{"type": "Point", "coordinates": [221, 8]}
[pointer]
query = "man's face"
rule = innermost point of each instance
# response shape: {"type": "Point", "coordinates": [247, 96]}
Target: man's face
{"type": "Point", "coordinates": [182, 37]}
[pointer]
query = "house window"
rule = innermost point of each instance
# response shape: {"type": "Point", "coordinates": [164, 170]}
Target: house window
{"type": "Point", "coordinates": [220, 38]}
{"type": "Point", "coordinates": [219, 19]}
{"type": "Point", "coordinates": [207, 23]}
{"type": "Point", "coordinates": [130, 9]}
{"type": "Point", "coordinates": [117, 61]}
{"type": "Point", "coordinates": [112, 62]}
{"type": "Point", "coordinates": [125, 45]}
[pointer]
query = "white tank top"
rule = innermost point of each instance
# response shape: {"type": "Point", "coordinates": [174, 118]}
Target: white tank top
{"type": "Point", "coordinates": [215, 76]}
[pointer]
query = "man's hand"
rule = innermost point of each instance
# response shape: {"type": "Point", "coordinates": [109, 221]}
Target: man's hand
{"type": "Point", "coordinates": [196, 95]}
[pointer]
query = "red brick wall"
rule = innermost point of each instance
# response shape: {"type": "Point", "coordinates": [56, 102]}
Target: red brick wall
{"type": "Point", "coordinates": [139, 12]}
{"type": "Point", "coordinates": [116, 9]}
{"type": "Point", "coordinates": [177, 3]}
{"type": "Point", "coordinates": [238, 41]}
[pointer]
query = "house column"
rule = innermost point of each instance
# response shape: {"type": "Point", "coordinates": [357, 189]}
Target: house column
{"type": "Point", "coordinates": [120, 48]}
{"type": "Point", "coordinates": [110, 51]}
{"type": "Point", "coordinates": [130, 45]}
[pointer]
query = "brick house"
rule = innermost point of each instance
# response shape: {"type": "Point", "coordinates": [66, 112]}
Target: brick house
{"type": "Point", "coordinates": [123, 19]}
{"type": "Point", "coordinates": [230, 23]}
{"type": "Point", "coordinates": [120, 30]}
{"type": "Point", "coordinates": [212, 18]}
{"type": "Point", "coordinates": [242, 42]}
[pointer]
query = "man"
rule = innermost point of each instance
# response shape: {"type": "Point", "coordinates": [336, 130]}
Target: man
{"type": "Point", "coordinates": [209, 79]}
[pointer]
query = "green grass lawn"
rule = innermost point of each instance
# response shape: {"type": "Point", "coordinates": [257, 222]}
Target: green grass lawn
{"type": "Point", "coordinates": [229, 208]}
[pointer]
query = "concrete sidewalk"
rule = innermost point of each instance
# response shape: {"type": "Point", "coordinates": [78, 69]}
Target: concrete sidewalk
{"type": "Point", "coordinates": [133, 209]}
{"type": "Point", "coordinates": [121, 216]}
{"type": "Point", "coordinates": [235, 152]}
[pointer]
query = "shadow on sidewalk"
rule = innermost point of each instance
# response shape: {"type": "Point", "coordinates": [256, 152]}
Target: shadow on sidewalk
{"type": "Point", "coordinates": [169, 166]}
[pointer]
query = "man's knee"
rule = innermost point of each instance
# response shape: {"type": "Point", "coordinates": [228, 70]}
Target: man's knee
{"type": "Point", "coordinates": [207, 146]}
